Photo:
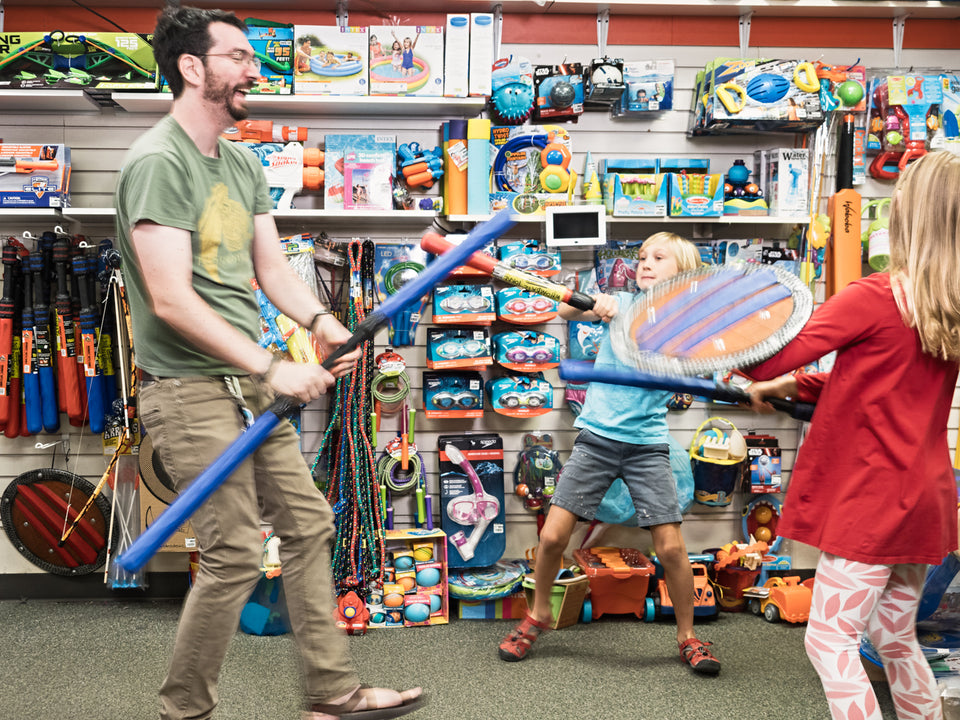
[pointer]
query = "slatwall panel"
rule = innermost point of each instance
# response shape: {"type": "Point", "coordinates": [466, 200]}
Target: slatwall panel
{"type": "Point", "coordinates": [99, 139]}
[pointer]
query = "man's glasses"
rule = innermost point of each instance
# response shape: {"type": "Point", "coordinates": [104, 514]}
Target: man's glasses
{"type": "Point", "coordinates": [240, 57]}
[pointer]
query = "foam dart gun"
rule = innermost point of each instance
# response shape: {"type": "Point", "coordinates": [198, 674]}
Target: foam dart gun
{"type": "Point", "coordinates": [26, 165]}
{"type": "Point", "coordinates": [11, 259]}
{"type": "Point", "coordinates": [844, 251]}
{"type": "Point", "coordinates": [46, 400]}
{"type": "Point", "coordinates": [582, 371]}
{"type": "Point", "coordinates": [436, 244]}
{"type": "Point", "coordinates": [259, 131]}
{"type": "Point", "coordinates": [180, 510]}
{"type": "Point", "coordinates": [69, 381]}
{"type": "Point", "coordinates": [93, 377]}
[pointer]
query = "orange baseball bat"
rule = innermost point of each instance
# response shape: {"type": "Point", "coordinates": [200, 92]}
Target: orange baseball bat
{"type": "Point", "coordinates": [844, 251]}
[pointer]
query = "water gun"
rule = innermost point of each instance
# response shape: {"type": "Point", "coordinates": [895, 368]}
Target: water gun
{"type": "Point", "coordinates": [290, 169]}
{"type": "Point", "coordinates": [419, 167]}
{"type": "Point", "coordinates": [279, 330]}
{"type": "Point", "coordinates": [259, 131]}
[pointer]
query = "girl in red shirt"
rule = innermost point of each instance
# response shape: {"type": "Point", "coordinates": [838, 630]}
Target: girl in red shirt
{"type": "Point", "coordinates": [873, 486]}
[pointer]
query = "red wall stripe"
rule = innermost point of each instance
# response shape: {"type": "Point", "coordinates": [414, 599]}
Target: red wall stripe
{"type": "Point", "coordinates": [555, 29]}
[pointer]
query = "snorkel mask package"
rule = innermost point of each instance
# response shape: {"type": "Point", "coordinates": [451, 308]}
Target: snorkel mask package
{"type": "Point", "coordinates": [471, 498]}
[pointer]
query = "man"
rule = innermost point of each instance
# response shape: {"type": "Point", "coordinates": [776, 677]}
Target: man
{"type": "Point", "coordinates": [194, 227]}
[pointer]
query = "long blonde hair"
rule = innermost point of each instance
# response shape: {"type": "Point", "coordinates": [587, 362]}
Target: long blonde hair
{"type": "Point", "coordinates": [925, 251]}
{"type": "Point", "coordinates": [685, 252]}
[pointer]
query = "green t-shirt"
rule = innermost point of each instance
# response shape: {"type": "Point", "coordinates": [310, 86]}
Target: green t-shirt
{"type": "Point", "coordinates": [165, 179]}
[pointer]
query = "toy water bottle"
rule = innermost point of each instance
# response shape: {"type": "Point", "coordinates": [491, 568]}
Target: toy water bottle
{"type": "Point", "coordinates": [876, 238]}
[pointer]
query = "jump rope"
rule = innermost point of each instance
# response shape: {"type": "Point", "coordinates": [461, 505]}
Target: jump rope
{"type": "Point", "coordinates": [351, 483]}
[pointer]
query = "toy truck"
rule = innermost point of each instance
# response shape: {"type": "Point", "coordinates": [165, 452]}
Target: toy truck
{"type": "Point", "coordinates": [781, 598]}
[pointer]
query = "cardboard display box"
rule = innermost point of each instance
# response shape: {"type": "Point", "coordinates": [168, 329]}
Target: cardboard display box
{"type": "Point", "coordinates": [76, 61]}
{"type": "Point", "coordinates": [156, 495]}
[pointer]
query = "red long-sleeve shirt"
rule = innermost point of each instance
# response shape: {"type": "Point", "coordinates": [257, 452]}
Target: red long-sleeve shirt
{"type": "Point", "coordinates": [873, 481]}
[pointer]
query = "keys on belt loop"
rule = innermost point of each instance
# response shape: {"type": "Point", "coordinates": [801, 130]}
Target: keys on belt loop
{"type": "Point", "coordinates": [233, 387]}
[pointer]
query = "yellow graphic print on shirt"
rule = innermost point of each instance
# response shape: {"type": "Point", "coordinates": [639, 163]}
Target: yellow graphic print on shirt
{"type": "Point", "coordinates": [224, 222]}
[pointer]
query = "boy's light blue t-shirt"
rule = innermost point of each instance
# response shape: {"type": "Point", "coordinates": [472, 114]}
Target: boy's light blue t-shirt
{"type": "Point", "coordinates": [618, 412]}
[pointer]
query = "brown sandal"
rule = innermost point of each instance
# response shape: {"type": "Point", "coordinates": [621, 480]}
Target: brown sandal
{"type": "Point", "coordinates": [364, 704]}
{"type": "Point", "coordinates": [516, 645]}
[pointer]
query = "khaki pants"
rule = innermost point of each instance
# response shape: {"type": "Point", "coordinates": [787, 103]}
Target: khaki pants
{"type": "Point", "coordinates": [191, 421]}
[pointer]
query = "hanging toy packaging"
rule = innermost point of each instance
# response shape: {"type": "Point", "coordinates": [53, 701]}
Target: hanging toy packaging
{"type": "Point", "coordinates": [395, 266]}
{"type": "Point", "coordinates": [471, 498]}
{"type": "Point", "coordinates": [537, 470]}
{"type": "Point", "coordinates": [512, 99]}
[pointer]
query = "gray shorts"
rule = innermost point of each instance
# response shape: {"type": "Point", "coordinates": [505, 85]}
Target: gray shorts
{"type": "Point", "coordinates": [595, 462]}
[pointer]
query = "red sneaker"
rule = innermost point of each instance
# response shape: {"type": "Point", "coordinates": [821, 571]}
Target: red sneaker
{"type": "Point", "coordinates": [516, 645]}
{"type": "Point", "coordinates": [695, 654]}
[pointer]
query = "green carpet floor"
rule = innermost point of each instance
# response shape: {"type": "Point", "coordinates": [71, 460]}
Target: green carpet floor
{"type": "Point", "coordinates": [104, 660]}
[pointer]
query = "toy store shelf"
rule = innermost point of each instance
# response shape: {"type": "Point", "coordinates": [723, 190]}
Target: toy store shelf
{"type": "Point", "coordinates": [367, 217]}
{"type": "Point", "coordinates": [60, 101]}
{"type": "Point", "coordinates": [13, 216]}
{"type": "Point", "coordinates": [724, 220]}
{"type": "Point", "coordinates": [89, 215]}
{"type": "Point", "coordinates": [288, 105]}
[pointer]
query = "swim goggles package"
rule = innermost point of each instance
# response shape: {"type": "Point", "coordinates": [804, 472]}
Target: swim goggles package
{"type": "Point", "coordinates": [584, 339]}
{"type": "Point", "coordinates": [522, 307]}
{"type": "Point", "coordinates": [529, 256]}
{"type": "Point", "coordinates": [472, 304]}
{"type": "Point", "coordinates": [458, 348]}
{"type": "Point", "coordinates": [453, 395]}
{"type": "Point", "coordinates": [526, 351]}
{"type": "Point", "coordinates": [520, 395]}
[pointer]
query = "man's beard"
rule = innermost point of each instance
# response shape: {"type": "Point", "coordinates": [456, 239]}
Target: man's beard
{"type": "Point", "coordinates": [223, 95]}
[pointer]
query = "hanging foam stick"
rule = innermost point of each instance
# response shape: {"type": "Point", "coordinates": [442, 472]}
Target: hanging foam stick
{"type": "Point", "coordinates": [10, 261]}
{"type": "Point", "coordinates": [88, 326]}
{"type": "Point", "coordinates": [43, 350]}
{"type": "Point", "coordinates": [16, 422]}
{"type": "Point", "coordinates": [210, 479]}
{"type": "Point", "coordinates": [68, 381]}
{"type": "Point", "coordinates": [31, 371]}
{"type": "Point", "coordinates": [581, 371]}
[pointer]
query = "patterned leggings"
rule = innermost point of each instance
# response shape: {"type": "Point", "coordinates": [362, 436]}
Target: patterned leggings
{"type": "Point", "coordinates": [850, 598]}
